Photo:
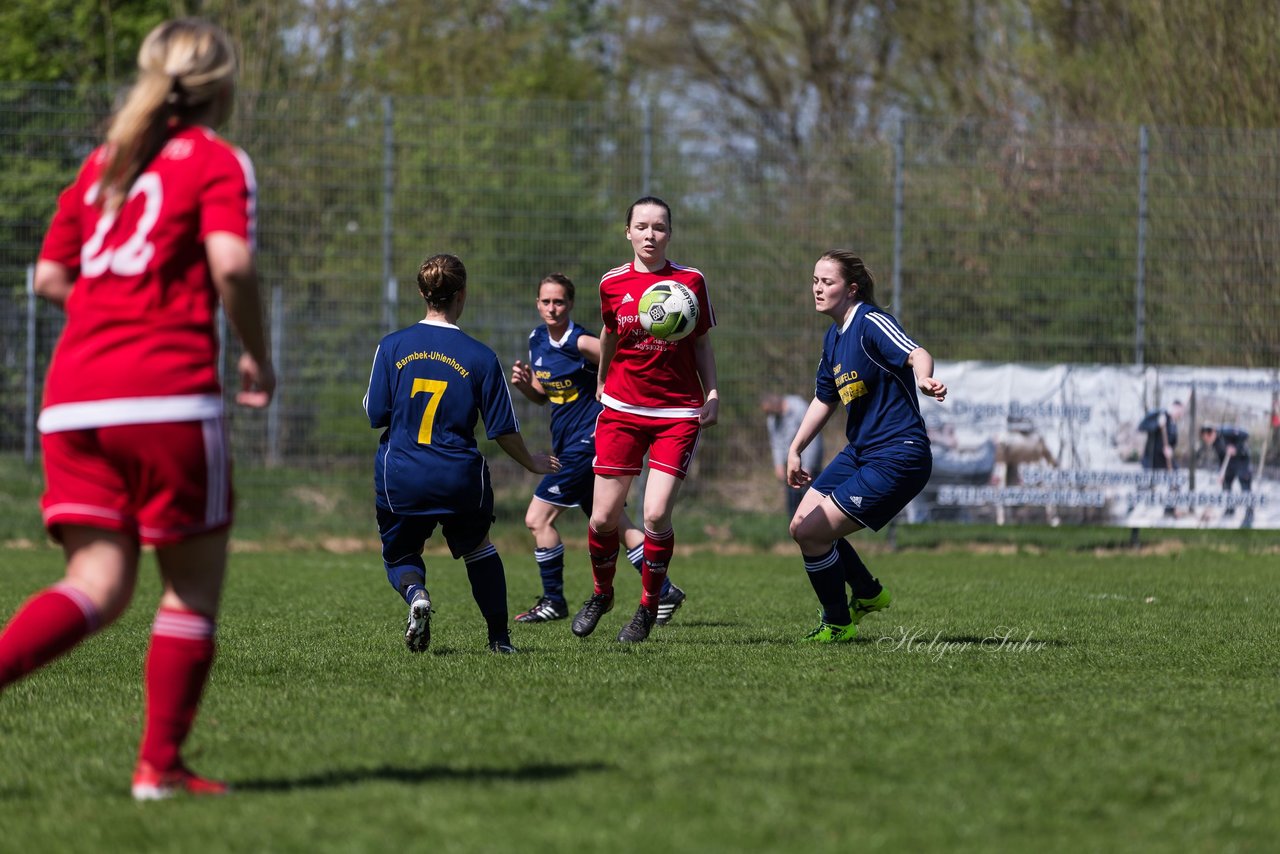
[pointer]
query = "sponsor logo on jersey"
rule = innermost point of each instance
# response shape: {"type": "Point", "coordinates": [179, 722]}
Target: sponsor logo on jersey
{"type": "Point", "coordinates": [853, 391]}
{"type": "Point", "coordinates": [626, 298]}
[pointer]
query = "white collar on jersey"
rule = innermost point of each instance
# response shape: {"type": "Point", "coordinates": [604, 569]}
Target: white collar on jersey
{"type": "Point", "coordinates": [439, 323]}
{"type": "Point", "coordinates": [853, 312]}
{"type": "Point", "coordinates": [564, 339]}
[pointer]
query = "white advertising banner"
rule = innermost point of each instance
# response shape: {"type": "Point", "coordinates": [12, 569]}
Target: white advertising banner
{"type": "Point", "coordinates": [1101, 444]}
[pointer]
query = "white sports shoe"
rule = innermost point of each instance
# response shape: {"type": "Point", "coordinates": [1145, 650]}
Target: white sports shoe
{"type": "Point", "coordinates": [417, 633]}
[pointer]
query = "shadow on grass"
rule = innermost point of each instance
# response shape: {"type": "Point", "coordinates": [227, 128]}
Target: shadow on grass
{"type": "Point", "coordinates": [428, 774]}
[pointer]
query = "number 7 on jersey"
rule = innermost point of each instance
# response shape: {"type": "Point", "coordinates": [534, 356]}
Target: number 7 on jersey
{"type": "Point", "coordinates": [435, 388]}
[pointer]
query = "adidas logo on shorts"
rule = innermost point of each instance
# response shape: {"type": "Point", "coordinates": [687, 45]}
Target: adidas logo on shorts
{"type": "Point", "coordinates": [856, 501]}
{"type": "Point", "coordinates": [555, 490]}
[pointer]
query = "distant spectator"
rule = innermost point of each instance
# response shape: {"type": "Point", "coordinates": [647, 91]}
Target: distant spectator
{"type": "Point", "coordinates": [782, 417]}
{"type": "Point", "coordinates": [1161, 427]}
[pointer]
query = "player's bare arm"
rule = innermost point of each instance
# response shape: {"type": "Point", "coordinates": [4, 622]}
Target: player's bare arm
{"type": "Point", "coordinates": [922, 364]}
{"type": "Point", "coordinates": [608, 346]}
{"type": "Point", "coordinates": [707, 374]}
{"type": "Point", "coordinates": [589, 348]}
{"type": "Point", "coordinates": [815, 418]}
{"type": "Point", "coordinates": [234, 275]}
{"type": "Point", "coordinates": [522, 378]}
{"type": "Point", "coordinates": [53, 282]}
{"type": "Point", "coordinates": [513, 445]}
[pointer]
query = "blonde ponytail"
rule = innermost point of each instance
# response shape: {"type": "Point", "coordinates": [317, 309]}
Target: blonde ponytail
{"type": "Point", "coordinates": [184, 66]}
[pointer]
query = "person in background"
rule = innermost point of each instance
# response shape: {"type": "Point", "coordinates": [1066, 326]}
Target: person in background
{"type": "Point", "coordinates": [874, 370]}
{"type": "Point", "coordinates": [156, 228]}
{"type": "Point", "coordinates": [429, 385]}
{"type": "Point", "coordinates": [1231, 446]}
{"type": "Point", "coordinates": [782, 417]}
{"type": "Point", "coordinates": [562, 372]}
{"type": "Point", "coordinates": [658, 396]}
{"type": "Point", "coordinates": [1161, 427]}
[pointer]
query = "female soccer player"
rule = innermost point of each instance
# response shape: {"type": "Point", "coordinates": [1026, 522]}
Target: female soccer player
{"type": "Point", "coordinates": [562, 372]}
{"type": "Point", "coordinates": [873, 369]}
{"type": "Point", "coordinates": [657, 397]}
{"type": "Point", "coordinates": [156, 227]}
{"type": "Point", "coordinates": [430, 383]}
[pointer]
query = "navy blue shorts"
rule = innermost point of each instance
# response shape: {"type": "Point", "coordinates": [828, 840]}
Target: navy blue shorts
{"type": "Point", "coordinates": [873, 489]}
{"type": "Point", "coordinates": [574, 485]}
{"type": "Point", "coordinates": [404, 536]}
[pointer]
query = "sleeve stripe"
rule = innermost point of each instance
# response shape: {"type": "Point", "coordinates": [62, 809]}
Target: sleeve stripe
{"type": "Point", "coordinates": [251, 209]}
{"type": "Point", "coordinates": [370, 386]}
{"type": "Point", "coordinates": [892, 332]}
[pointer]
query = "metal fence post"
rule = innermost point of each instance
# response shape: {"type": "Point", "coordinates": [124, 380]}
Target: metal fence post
{"type": "Point", "coordinates": [646, 158]}
{"type": "Point", "coordinates": [29, 422]}
{"type": "Point", "coordinates": [277, 355]}
{"type": "Point", "coordinates": [1140, 279]}
{"type": "Point", "coordinates": [391, 299]}
{"type": "Point", "coordinates": [899, 166]}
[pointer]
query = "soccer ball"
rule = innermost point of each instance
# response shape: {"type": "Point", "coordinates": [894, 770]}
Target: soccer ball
{"type": "Point", "coordinates": [668, 310]}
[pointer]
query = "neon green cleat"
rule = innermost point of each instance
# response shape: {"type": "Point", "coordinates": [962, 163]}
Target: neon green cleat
{"type": "Point", "coordinates": [829, 633]}
{"type": "Point", "coordinates": [861, 607]}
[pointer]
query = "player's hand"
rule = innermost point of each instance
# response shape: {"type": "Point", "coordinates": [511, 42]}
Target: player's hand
{"type": "Point", "coordinates": [521, 374]}
{"type": "Point", "coordinates": [933, 387]}
{"type": "Point", "coordinates": [710, 412]}
{"type": "Point", "coordinates": [797, 477]}
{"type": "Point", "coordinates": [544, 463]}
{"type": "Point", "coordinates": [257, 382]}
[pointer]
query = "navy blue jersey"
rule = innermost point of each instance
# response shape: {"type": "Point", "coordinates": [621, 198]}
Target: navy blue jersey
{"type": "Point", "coordinates": [864, 366]}
{"type": "Point", "coordinates": [429, 385]}
{"type": "Point", "coordinates": [569, 379]}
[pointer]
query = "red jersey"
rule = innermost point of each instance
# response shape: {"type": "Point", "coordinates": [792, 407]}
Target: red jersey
{"type": "Point", "coordinates": [140, 344]}
{"type": "Point", "coordinates": [650, 376]}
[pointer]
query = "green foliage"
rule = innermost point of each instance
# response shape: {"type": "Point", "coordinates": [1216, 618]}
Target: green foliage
{"type": "Point", "coordinates": [84, 43]}
{"type": "Point", "coordinates": [1086, 729]}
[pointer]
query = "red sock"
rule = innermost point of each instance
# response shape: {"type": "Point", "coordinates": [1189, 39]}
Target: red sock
{"type": "Point", "coordinates": [658, 549]}
{"type": "Point", "coordinates": [47, 625]}
{"type": "Point", "coordinates": [176, 671]}
{"type": "Point", "coordinates": [603, 548]}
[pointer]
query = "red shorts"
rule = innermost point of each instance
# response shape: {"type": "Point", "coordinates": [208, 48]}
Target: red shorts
{"type": "Point", "coordinates": [161, 483]}
{"type": "Point", "coordinates": [622, 440]}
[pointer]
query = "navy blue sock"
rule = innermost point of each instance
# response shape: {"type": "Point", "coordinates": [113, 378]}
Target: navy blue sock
{"type": "Point", "coordinates": [489, 588]}
{"type": "Point", "coordinates": [856, 574]}
{"type": "Point", "coordinates": [408, 578]}
{"type": "Point", "coordinates": [551, 567]}
{"type": "Point", "coordinates": [827, 577]}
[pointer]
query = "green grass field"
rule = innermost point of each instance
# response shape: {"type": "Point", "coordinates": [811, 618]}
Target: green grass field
{"type": "Point", "coordinates": [1141, 714]}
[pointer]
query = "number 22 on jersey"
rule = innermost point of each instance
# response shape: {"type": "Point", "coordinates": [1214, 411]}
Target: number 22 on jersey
{"type": "Point", "coordinates": [435, 388]}
{"type": "Point", "coordinates": [131, 257]}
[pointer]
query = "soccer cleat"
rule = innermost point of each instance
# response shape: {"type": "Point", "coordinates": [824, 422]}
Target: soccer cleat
{"type": "Point", "coordinates": [417, 632]}
{"type": "Point", "coordinates": [544, 611]}
{"type": "Point", "coordinates": [588, 616]}
{"type": "Point", "coordinates": [861, 607]}
{"type": "Point", "coordinates": [669, 604]}
{"type": "Point", "coordinates": [831, 633]}
{"type": "Point", "coordinates": [639, 627]}
{"type": "Point", "coordinates": [150, 784]}
{"type": "Point", "coordinates": [503, 647]}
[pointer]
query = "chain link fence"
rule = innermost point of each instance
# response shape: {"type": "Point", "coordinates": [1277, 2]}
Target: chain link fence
{"type": "Point", "coordinates": [1042, 245]}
